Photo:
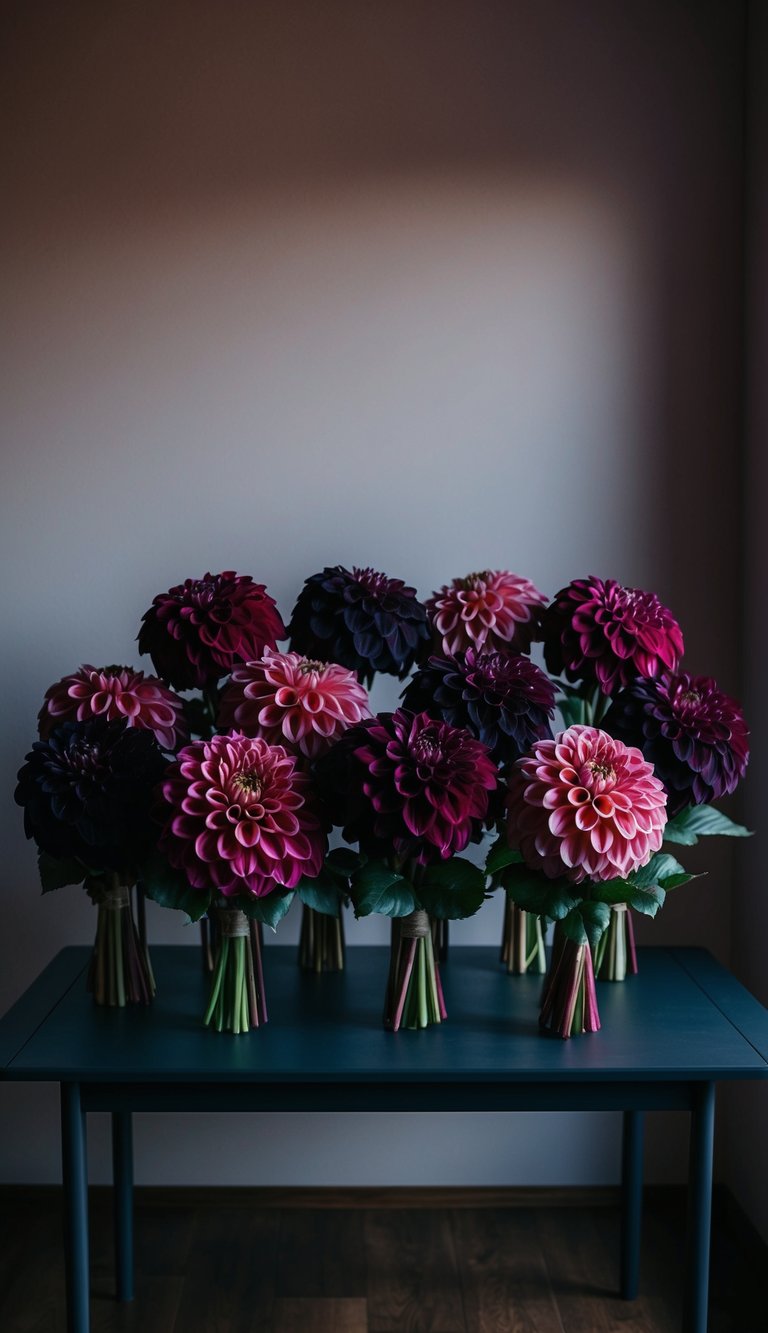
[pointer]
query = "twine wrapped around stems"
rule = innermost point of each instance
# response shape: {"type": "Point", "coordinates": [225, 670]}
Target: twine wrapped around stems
{"type": "Point", "coordinates": [522, 941]}
{"type": "Point", "coordinates": [120, 972]}
{"type": "Point", "coordinates": [321, 941]}
{"type": "Point", "coordinates": [616, 955]}
{"type": "Point", "coordinates": [414, 997]}
{"type": "Point", "coordinates": [569, 998]}
{"type": "Point", "coordinates": [237, 1001]}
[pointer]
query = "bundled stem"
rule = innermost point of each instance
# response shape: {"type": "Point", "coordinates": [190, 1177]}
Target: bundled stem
{"type": "Point", "coordinates": [321, 941]}
{"type": "Point", "coordinates": [440, 940]}
{"type": "Point", "coordinates": [569, 998]}
{"type": "Point", "coordinates": [616, 954]}
{"type": "Point", "coordinates": [522, 941]}
{"type": "Point", "coordinates": [414, 996]}
{"type": "Point", "coordinates": [237, 1001]}
{"type": "Point", "coordinates": [120, 972]}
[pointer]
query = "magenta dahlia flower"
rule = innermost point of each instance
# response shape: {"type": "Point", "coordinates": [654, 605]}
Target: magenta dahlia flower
{"type": "Point", "coordinates": [115, 692]}
{"type": "Point", "coordinates": [585, 806]}
{"type": "Point", "coordinates": [492, 609]}
{"type": "Point", "coordinates": [694, 735]}
{"type": "Point", "coordinates": [240, 818]}
{"type": "Point", "coordinates": [601, 633]}
{"type": "Point", "coordinates": [407, 786]}
{"type": "Point", "coordinates": [291, 700]}
{"type": "Point", "coordinates": [198, 631]}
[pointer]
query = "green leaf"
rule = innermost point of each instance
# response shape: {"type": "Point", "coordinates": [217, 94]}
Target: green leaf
{"type": "Point", "coordinates": [322, 894]}
{"type": "Point", "coordinates": [54, 874]}
{"type": "Point", "coordinates": [702, 821]}
{"type": "Point", "coordinates": [586, 923]}
{"type": "Point", "coordinates": [170, 888]}
{"type": "Point", "coordinates": [501, 855]}
{"type": "Point", "coordinates": [343, 861]}
{"type": "Point", "coordinates": [535, 893]}
{"type": "Point", "coordinates": [571, 711]}
{"type": "Point", "coordinates": [452, 890]}
{"type": "Point", "coordinates": [376, 888]}
{"type": "Point", "coordinates": [664, 870]}
{"type": "Point", "coordinates": [269, 910]}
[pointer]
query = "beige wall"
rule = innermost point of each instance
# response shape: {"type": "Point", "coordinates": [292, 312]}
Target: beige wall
{"type": "Point", "coordinates": [426, 286]}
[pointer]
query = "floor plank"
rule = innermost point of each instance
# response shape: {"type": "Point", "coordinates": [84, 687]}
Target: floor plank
{"type": "Point", "coordinates": [504, 1277]}
{"type": "Point", "coordinates": [230, 1283]}
{"type": "Point", "coordinates": [320, 1315]}
{"type": "Point", "coordinates": [413, 1278]}
{"type": "Point", "coordinates": [332, 1249]}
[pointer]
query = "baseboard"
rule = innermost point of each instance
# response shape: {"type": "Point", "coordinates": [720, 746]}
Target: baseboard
{"type": "Point", "coordinates": [727, 1211]}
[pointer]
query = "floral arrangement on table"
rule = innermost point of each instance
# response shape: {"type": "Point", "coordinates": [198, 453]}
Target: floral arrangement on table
{"type": "Point", "coordinates": [411, 793]}
{"type": "Point", "coordinates": [221, 802]}
{"type": "Point", "coordinates": [87, 791]}
{"type": "Point", "coordinates": [645, 751]}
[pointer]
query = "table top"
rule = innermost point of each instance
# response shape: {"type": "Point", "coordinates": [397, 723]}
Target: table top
{"type": "Point", "coordinates": [682, 1017]}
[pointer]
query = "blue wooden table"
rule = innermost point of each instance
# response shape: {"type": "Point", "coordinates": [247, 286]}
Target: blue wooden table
{"type": "Point", "coordinates": [669, 1035]}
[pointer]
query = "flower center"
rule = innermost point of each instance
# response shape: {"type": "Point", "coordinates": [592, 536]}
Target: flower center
{"type": "Point", "coordinates": [250, 783]}
{"type": "Point", "coordinates": [473, 581]}
{"type": "Point", "coordinates": [309, 665]}
{"type": "Point", "coordinates": [426, 748]}
{"type": "Point", "coordinates": [690, 697]}
{"type": "Point", "coordinates": [604, 771]}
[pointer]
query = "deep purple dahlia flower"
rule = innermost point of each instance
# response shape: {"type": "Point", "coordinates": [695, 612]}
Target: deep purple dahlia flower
{"type": "Point", "coordinates": [87, 793]}
{"type": "Point", "coordinates": [694, 735]}
{"type": "Point", "coordinates": [503, 699]}
{"type": "Point", "coordinates": [198, 631]}
{"type": "Point", "coordinates": [115, 692]}
{"type": "Point", "coordinates": [407, 786]}
{"type": "Point", "coordinates": [601, 633]}
{"type": "Point", "coordinates": [240, 817]}
{"type": "Point", "coordinates": [361, 619]}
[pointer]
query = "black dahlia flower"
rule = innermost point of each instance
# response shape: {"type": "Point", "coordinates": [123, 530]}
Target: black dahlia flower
{"type": "Point", "coordinates": [406, 786]}
{"type": "Point", "coordinates": [694, 735]}
{"type": "Point", "coordinates": [198, 631]}
{"type": "Point", "coordinates": [503, 699]}
{"type": "Point", "coordinates": [87, 793]}
{"type": "Point", "coordinates": [601, 633]}
{"type": "Point", "coordinates": [360, 619]}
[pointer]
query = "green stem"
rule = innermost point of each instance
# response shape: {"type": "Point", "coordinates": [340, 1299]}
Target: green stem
{"type": "Point", "coordinates": [217, 980]}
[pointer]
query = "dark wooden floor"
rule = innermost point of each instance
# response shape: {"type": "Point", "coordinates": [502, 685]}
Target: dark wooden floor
{"type": "Point", "coordinates": [220, 1267]}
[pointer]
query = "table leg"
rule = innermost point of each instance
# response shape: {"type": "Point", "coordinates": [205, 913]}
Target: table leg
{"type": "Point", "coordinates": [122, 1179]}
{"type": "Point", "coordinates": [74, 1162]}
{"type": "Point", "coordinates": [696, 1298]}
{"type": "Point", "coordinates": [631, 1202]}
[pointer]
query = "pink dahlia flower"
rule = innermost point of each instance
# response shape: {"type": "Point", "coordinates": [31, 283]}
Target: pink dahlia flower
{"type": "Point", "coordinates": [115, 692]}
{"type": "Point", "coordinates": [586, 806]}
{"type": "Point", "coordinates": [597, 631]}
{"type": "Point", "coordinates": [291, 700]}
{"type": "Point", "coordinates": [198, 631]}
{"type": "Point", "coordinates": [493, 609]}
{"type": "Point", "coordinates": [240, 817]}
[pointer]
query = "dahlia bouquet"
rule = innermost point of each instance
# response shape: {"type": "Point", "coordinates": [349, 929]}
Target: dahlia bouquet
{"type": "Point", "coordinates": [87, 789]}
{"type": "Point", "coordinates": [304, 705]}
{"type": "Point", "coordinates": [241, 828]}
{"type": "Point", "coordinates": [645, 751]}
{"type": "Point", "coordinates": [412, 793]}
{"type": "Point", "coordinates": [481, 678]}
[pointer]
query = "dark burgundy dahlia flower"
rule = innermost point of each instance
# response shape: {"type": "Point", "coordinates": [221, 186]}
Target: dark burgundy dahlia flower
{"type": "Point", "coordinates": [361, 619]}
{"type": "Point", "coordinates": [503, 699]}
{"type": "Point", "coordinates": [196, 632]}
{"type": "Point", "coordinates": [601, 633]}
{"type": "Point", "coordinates": [694, 735]}
{"type": "Point", "coordinates": [87, 793]}
{"type": "Point", "coordinates": [407, 786]}
{"type": "Point", "coordinates": [240, 818]}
